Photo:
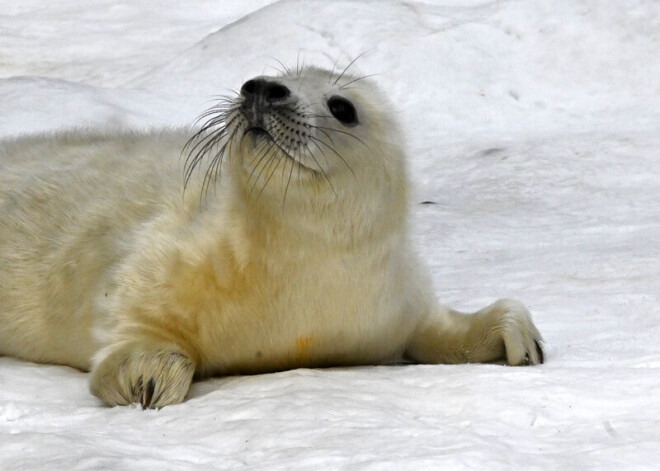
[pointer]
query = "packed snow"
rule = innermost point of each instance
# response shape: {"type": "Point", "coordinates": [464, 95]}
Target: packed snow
{"type": "Point", "coordinates": [533, 127]}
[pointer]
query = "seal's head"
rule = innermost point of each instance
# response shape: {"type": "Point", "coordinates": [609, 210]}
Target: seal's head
{"type": "Point", "coordinates": [334, 135]}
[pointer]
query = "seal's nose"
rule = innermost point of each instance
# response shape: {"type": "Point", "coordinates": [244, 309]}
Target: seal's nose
{"type": "Point", "coordinates": [264, 89]}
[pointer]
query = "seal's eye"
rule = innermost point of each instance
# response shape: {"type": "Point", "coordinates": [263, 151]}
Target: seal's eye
{"type": "Point", "coordinates": [343, 110]}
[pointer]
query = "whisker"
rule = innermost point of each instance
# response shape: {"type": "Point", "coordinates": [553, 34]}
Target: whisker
{"type": "Point", "coordinates": [322, 169]}
{"type": "Point", "coordinates": [315, 139]}
{"type": "Point", "coordinates": [219, 127]}
{"type": "Point", "coordinates": [298, 68]}
{"type": "Point", "coordinates": [320, 150]}
{"type": "Point", "coordinates": [342, 132]}
{"type": "Point", "coordinates": [299, 179]}
{"type": "Point", "coordinates": [342, 87]}
{"type": "Point", "coordinates": [213, 171]}
{"type": "Point", "coordinates": [327, 135]}
{"type": "Point", "coordinates": [347, 67]}
{"type": "Point", "coordinates": [268, 148]}
{"type": "Point", "coordinates": [333, 69]}
{"type": "Point", "coordinates": [288, 182]}
{"type": "Point", "coordinates": [287, 71]}
{"type": "Point", "coordinates": [277, 164]}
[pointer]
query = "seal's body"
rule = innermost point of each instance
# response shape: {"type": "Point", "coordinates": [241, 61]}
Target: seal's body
{"type": "Point", "coordinates": [286, 247]}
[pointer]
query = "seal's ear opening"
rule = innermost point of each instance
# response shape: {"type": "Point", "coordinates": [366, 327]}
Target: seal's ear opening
{"type": "Point", "coordinates": [343, 110]}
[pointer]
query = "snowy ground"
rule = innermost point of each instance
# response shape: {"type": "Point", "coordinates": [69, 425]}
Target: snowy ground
{"type": "Point", "coordinates": [535, 128]}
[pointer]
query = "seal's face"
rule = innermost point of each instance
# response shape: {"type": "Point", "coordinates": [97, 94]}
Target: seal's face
{"type": "Point", "coordinates": [293, 125]}
{"type": "Point", "coordinates": [307, 126]}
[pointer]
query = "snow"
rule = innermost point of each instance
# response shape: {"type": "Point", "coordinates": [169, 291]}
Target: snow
{"type": "Point", "coordinates": [533, 126]}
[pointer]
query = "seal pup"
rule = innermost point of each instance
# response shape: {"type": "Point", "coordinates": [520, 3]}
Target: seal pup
{"type": "Point", "coordinates": [284, 246]}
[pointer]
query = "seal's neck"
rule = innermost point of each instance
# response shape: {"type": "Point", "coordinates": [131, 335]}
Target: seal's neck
{"type": "Point", "coordinates": [346, 216]}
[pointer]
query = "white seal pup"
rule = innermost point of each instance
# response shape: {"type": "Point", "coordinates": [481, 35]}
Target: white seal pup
{"type": "Point", "coordinates": [285, 247]}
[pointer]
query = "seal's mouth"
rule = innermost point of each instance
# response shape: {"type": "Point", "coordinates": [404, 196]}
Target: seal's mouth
{"type": "Point", "coordinates": [257, 132]}
{"type": "Point", "coordinates": [260, 135]}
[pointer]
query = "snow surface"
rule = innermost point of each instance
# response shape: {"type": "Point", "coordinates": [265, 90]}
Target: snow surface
{"type": "Point", "coordinates": [535, 128]}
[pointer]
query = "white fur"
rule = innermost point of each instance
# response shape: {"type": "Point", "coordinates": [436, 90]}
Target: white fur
{"type": "Point", "coordinates": [107, 264]}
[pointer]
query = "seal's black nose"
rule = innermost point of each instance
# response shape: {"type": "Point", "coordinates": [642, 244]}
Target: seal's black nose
{"type": "Point", "coordinates": [265, 89]}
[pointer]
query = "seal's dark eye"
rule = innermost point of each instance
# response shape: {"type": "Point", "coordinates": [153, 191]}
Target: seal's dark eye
{"type": "Point", "coordinates": [343, 110]}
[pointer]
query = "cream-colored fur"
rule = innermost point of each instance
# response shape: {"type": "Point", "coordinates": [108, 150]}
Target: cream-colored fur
{"type": "Point", "coordinates": [108, 265]}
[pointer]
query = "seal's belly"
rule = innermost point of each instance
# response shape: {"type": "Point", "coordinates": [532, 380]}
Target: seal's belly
{"type": "Point", "coordinates": [262, 353]}
{"type": "Point", "coordinates": [327, 322]}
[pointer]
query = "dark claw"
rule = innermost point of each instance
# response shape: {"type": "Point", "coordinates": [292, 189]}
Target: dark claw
{"type": "Point", "coordinates": [539, 351]}
{"type": "Point", "coordinates": [136, 389]}
{"type": "Point", "coordinates": [148, 393]}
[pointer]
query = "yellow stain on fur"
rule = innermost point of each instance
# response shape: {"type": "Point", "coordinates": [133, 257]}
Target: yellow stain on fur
{"type": "Point", "coordinates": [301, 351]}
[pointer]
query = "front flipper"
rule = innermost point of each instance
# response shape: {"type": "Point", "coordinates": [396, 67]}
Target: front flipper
{"type": "Point", "coordinates": [144, 374]}
{"type": "Point", "coordinates": [502, 331]}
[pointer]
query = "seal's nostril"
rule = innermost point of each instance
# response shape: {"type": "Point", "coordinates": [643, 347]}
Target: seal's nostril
{"type": "Point", "coordinates": [249, 87]}
{"type": "Point", "coordinates": [268, 90]}
{"type": "Point", "coordinates": [275, 91]}
{"type": "Point", "coordinates": [264, 90]}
